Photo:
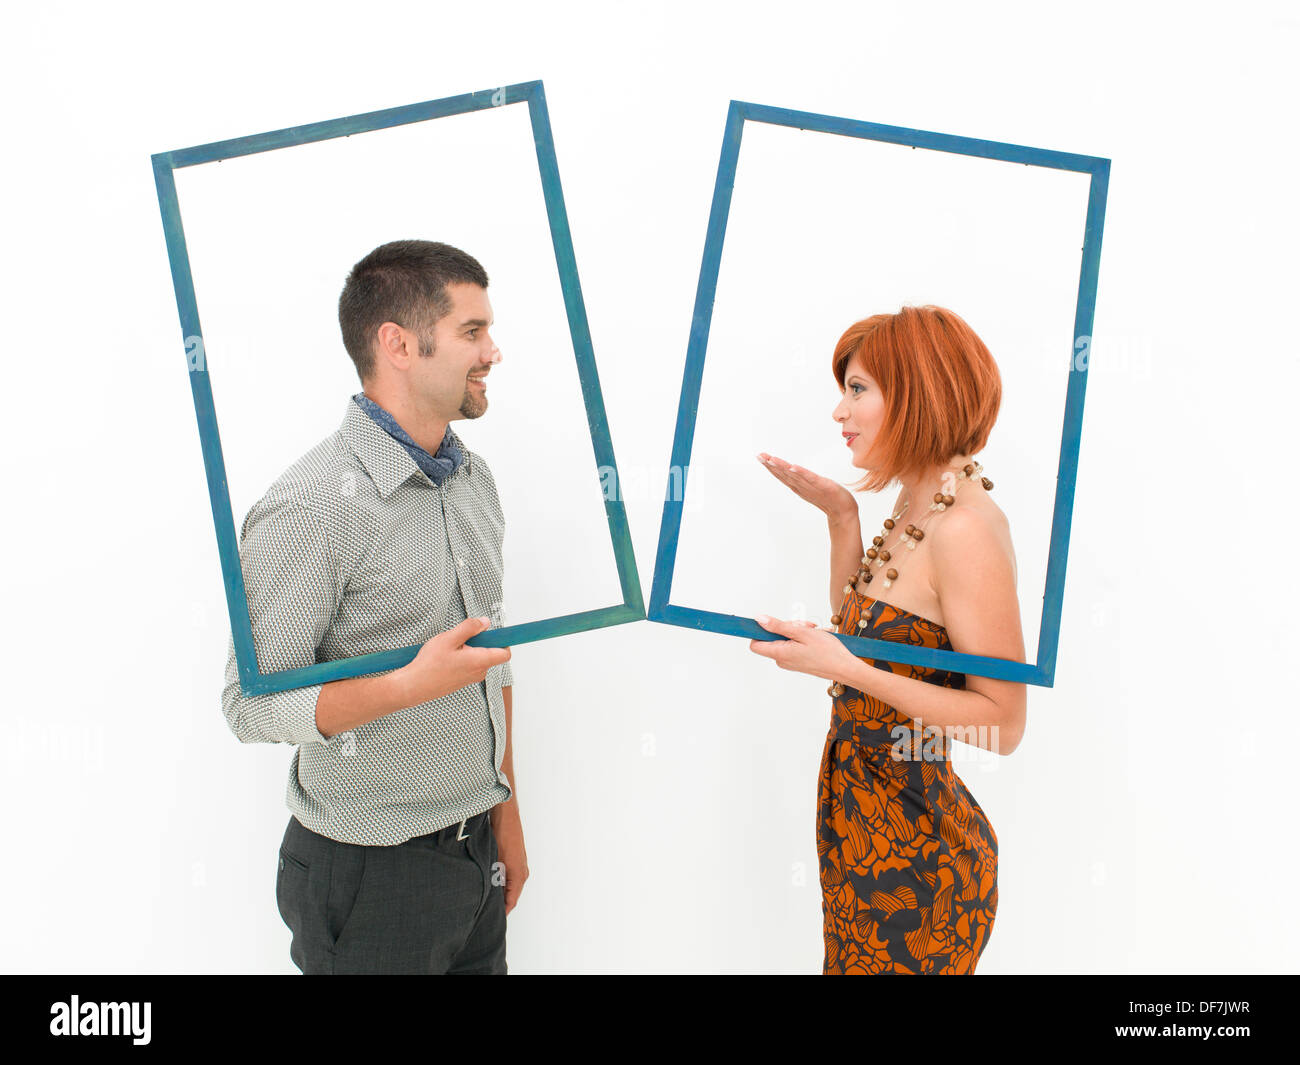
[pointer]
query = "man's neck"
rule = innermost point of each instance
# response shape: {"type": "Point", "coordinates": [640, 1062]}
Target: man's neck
{"type": "Point", "coordinates": [426, 431]}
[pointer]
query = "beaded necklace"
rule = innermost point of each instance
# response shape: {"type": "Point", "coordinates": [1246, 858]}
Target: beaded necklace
{"type": "Point", "coordinates": [878, 554]}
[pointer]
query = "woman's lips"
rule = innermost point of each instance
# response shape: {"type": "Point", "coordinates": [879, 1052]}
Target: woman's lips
{"type": "Point", "coordinates": [849, 439]}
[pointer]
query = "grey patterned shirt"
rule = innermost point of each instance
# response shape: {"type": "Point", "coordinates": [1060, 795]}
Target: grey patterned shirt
{"type": "Point", "coordinates": [355, 549]}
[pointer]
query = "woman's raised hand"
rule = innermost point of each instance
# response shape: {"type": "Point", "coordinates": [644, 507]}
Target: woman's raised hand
{"type": "Point", "coordinates": [828, 496]}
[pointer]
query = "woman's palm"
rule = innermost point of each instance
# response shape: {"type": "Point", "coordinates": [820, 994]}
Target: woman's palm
{"type": "Point", "coordinates": [826, 495]}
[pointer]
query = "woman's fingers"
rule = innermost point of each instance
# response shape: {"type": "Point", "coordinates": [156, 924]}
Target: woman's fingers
{"type": "Point", "coordinates": [779, 470]}
{"type": "Point", "coordinates": [800, 481]}
{"type": "Point", "coordinates": [778, 466]}
{"type": "Point", "coordinates": [783, 465]}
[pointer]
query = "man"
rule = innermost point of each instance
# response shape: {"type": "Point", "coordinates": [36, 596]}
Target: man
{"type": "Point", "coordinates": [389, 534]}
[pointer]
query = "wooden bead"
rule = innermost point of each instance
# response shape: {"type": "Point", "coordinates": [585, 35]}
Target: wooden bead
{"type": "Point", "coordinates": [877, 540]}
{"type": "Point", "coordinates": [884, 556]}
{"type": "Point", "coordinates": [988, 485]}
{"type": "Point", "coordinates": [836, 619]}
{"type": "Point", "coordinates": [968, 469]}
{"type": "Point", "coordinates": [918, 535]}
{"type": "Point", "coordinates": [938, 497]}
{"type": "Point", "coordinates": [889, 523]}
{"type": "Point", "coordinates": [909, 529]}
{"type": "Point", "coordinates": [892, 574]}
{"type": "Point", "coordinates": [948, 501]}
{"type": "Point", "coordinates": [871, 552]}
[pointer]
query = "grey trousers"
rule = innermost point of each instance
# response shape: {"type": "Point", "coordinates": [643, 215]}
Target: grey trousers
{"type": "Point", "coordinates": [429, 905]}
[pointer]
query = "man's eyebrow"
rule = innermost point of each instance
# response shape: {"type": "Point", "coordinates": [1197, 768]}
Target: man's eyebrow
{"type": "Point", "coordinates": [473, 321]}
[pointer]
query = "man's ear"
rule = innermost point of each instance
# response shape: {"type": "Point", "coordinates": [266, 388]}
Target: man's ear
{"type": "Point", "coordinates": [391, 341]}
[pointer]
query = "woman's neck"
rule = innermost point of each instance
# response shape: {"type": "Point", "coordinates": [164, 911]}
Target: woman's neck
{"type": "Point", "coordinates": [917, 490]}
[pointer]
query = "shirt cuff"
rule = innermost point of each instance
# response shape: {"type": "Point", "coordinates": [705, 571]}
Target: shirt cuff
{"type": "Point", "coordinates": [296, 710]}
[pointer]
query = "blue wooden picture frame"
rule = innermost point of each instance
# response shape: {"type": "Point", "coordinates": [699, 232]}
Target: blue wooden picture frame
{"type": "Point", "coordinates": [198, 357]}
{"type": "Point", "coordinates": [1040, 672]}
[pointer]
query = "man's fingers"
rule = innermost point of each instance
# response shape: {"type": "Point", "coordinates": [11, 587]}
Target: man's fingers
{"type": "Point", "coordinates": [468, 628]}
{"type": "Point", "coordinates": [514, 885]}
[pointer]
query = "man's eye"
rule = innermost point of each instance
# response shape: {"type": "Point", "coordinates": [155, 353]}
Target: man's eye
{"type": "Point", "coordinates": [472, 332]}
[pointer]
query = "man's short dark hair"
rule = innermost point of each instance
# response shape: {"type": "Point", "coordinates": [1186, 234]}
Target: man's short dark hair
{"type": "Point", "coordinates": [404, 281]}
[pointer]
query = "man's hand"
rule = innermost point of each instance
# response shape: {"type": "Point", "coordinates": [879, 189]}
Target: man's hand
{"type": "Point", "coordinates": [444, 664]}
{"type": "Point", "coordinates": [509, 832]}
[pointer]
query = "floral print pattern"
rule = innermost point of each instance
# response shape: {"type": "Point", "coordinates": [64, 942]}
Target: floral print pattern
{"type": "Point", "coordinates": [907, 860]}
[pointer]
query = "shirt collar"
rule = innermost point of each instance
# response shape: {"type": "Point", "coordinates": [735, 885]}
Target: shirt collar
{"type": "Point", "coordinates": [388, 458]}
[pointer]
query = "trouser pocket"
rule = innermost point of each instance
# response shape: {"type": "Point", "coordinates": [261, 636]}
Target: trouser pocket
{"type": "Point", "coordinates": [347, 865]}
{"type": "Point", "coordinates": [291, 889]}
{"type": "Point", "coordinates": [317, 884]}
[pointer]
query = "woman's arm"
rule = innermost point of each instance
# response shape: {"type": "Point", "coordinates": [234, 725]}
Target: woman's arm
{"type": "Point", "coordinates": [975, 579]}
{"type": "Point", "coordinates": [841, 510]}
{"type": "Point", "coordinates": [846, 551]}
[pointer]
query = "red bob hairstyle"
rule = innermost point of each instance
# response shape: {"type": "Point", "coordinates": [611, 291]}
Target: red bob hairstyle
{"type": "Point", "coordinates": [940, 386]}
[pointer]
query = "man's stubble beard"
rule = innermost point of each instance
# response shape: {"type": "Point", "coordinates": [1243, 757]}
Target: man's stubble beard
{"type": "Point", "coordinates": [472, 406]}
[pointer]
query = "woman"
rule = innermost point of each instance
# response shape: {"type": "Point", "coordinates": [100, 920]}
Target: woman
{"type": "Point", "coordinates": [908, 861]}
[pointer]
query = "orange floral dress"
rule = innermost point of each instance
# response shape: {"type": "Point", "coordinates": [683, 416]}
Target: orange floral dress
{"type": "Point", "coordinates": [908, 862]}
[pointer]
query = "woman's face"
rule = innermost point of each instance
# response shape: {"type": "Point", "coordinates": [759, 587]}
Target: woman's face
{"type": "Point", "coordinates": [861, 412]}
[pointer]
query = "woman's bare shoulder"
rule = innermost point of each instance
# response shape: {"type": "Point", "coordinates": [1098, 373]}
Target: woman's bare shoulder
{"type": "Point", "coordinates": [974, 525]}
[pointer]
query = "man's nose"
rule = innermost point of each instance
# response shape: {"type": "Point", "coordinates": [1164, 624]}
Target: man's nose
{"type": "Point", "coordinates": [494, 356]}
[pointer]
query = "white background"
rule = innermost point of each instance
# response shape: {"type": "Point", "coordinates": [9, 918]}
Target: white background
{"type": "Point", "coordinates": [667, 778]}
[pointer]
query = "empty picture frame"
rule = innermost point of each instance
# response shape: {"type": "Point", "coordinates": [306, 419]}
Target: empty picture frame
{"type": "Point", "coordinates": [200, 358]}
{"type": "Point", "coordinates": [1073, 363]}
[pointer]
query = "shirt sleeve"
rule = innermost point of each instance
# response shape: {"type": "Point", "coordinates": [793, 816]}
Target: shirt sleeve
{"type": "Point", "coordinates": [497, 516]}
{"type": "Point", "coordinates": [291, 577]}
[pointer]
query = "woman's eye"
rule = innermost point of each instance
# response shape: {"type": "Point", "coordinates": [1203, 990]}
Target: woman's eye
{"type": "Point", "coordinates": [856, 386]}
